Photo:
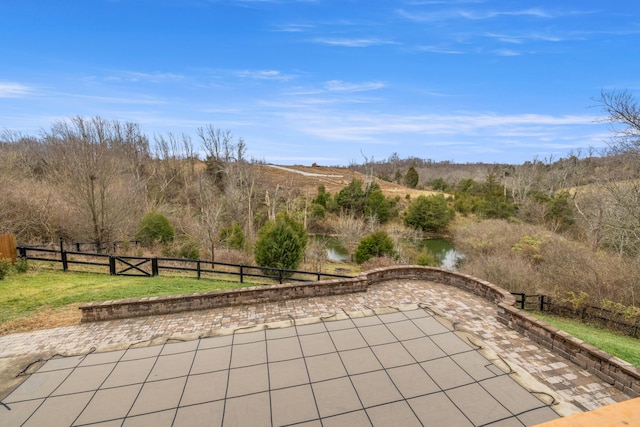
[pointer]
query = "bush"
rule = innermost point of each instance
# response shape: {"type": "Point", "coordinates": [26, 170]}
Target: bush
{"type": "Point", "coordinates": [189, 250]}
{"type": "Point", "coordinates": [528, 258]}
{"type": "Point", "coordinates": [233, 237]}
{"type": "Point", "coordinates": [21, 265]}
{"type": "Point", "coordinates": [378, 206]}
{"type": "Point", "coordinates": [155, 228]}
{"type": "Point", "coordinates": [411, 178]}
{"type": "Point", "coordinates": [428, 213]}
{"type": "Point", "coordinates": [280, 244]}
{"type": "Point", "coordinates": [374, 245]}
{"type": "Point", "coordinates": [5, 267]}
{"type": "Point", "coordinates": [426, 258]}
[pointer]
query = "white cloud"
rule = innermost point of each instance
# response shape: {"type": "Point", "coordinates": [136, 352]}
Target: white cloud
{"type": "Point", "coordinates": [14, 90]}
{"type": "Point", "coordinates": [440, 49]}
{"type": "Point", "coordinates": [538, 13]}
{"type": "Point", "coordinates": [137, 77]}
{"type": "Point", "coordinates": [524, 37]}
{"type": "Point", "coordinates": [263, 75]}
{"type": "Point", "coordinates": [361, 127]}
{"type": "Point", "coordinates": [341, 86]}
{"type": "Point", "coordinates": [293, 28]}
{"type": "Point", "coordinates": [352, 42]}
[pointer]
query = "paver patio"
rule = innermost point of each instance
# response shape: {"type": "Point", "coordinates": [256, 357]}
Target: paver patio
{"type": "Point", "coordinates": [408, 352]}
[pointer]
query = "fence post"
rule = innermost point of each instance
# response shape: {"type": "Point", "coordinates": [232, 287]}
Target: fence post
{"type": "Point", "coordinates": [280, 275]}
{"type": "Point", "coordinates": [112, 265]}
{"type": "Point", "coordinates": [541, 302]}
{"type": "Point", "coordinates": [241, 273]}
{"type": "Point", "coordinates": [154, 267]}
{"type": "Point", "coordinates": [65, 264]}
{"type": "Point", "coordinates": [198, 267]}
{"type": "Point", "coordinates": [23, 252]}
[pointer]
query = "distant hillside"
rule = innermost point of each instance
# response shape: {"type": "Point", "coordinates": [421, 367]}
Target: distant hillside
{"type": "Point", "coordinates": [307, 179]}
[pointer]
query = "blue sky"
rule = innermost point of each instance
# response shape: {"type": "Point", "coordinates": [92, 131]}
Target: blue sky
{"type": "Point", "coordinates": [326, 81]}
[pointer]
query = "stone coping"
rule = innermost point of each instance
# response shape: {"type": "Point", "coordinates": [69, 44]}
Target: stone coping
{"type": "Point", "coordinates": [616, 372]}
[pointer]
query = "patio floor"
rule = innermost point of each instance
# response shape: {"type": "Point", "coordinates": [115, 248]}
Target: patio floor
{"type": "Point", "coordinates": [400, 368]}
{"type": "Point", "coordinates": [408, 352]}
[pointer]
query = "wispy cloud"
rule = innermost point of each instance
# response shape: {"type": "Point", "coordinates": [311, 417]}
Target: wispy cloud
{"type": "Point", "coordinates": [440, 49]}
{"type": "Point", "coordinates": [293, 28]}
{"type": "Point", "coordinates": [360, 127]}
{"type": "Point", "coordinates": [263, 75]}
{"type": "Point", "coordinates": [507, 52]}
{"type": "Point", "coordinates": [138, 77]}
{"type": "Point", "coordinates": [524, 37]}
{"type": "Point", "coordinates": [535, 12]}
{"type": "Point", "coordinates": [352, 42]}
{"type": "Point", "coordinates": [14, 90]}
{"type": "Point", "coordinates": [341, 86]}
{"type": "Point", "coordinates": [142, 100]}
{"type": "Point", "coordinates": [475, 15]}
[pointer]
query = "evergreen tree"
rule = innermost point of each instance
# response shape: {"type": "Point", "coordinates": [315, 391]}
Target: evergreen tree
{"type": "Point", "coordinates": [281, 244]}
{"type": "Point", "coordinates": [412, 178]}
{"type": "Point", "coordinates": [428, 213]}
{"type": "Point", "coordinates": [374, 245]}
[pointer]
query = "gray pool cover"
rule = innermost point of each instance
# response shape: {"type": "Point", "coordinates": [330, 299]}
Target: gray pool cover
{"type": "Point", "coordinates": [403, 368]}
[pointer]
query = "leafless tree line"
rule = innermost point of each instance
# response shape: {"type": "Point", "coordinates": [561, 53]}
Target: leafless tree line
{"type": "Point", "coordinates": [91, 179]}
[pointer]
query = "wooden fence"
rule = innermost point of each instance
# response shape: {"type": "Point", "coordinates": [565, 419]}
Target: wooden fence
{"type": "Point", "coordinates": [117, 265]}
{"type": "Point", "coordinates": [8, 247]}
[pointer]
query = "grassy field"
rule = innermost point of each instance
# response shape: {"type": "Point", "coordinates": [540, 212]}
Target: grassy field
{"type": "Point", "coordinates": [621, 346]}
{"type": "Point", "coordinates": [51, 298]}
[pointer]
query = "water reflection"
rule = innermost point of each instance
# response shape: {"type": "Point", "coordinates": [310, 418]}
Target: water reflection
{"type": "Point", "coordinates": [446, 255]}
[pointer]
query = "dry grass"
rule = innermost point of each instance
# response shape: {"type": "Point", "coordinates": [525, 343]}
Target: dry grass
{"type": "Point", "coordinates": [530, 259]}
{"type": "Point", "coordinates": [45, 318]}
{"type": "Point", "coordinates": [334, 180]}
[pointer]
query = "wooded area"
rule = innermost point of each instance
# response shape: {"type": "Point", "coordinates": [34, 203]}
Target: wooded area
{"type": "Point", "coordinates": [98, 180]}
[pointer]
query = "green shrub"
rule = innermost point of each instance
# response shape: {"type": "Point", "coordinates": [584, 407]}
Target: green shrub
{"type": "Point", "coordinates": [378, 206]}
{"type": "Point", "coordinates": [426, 258]}
{"type": "Point", "coordinates": [189, 250]}
{"type": "Point", "coordinates": [374, 245]}
{"type": "Point", "coordinates": [428, 213]}
{"type": "Point", "coordinates": [21, 265]}
{"type": "Point", "coordinates": [411, 178]}
{"type": "Point", "coordinates": [155, 228]}
{"type": "Point", "coordinates": [5, 267]}
{"type": "Point", "coordinates": [233, 237]}
{"type": "Point", "coordinates": [280, 244]}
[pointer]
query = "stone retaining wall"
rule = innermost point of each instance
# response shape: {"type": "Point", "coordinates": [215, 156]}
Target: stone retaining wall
{"type": "Point", "coordinates": [121, 309]}
{"type": "Point", "coordinates": [610, 369]}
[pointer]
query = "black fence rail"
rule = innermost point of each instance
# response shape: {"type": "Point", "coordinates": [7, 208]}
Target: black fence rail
{"type": "Point", "coordinates": [118, 265]}
{"type": "Point", "coordinates": [587, 313]}
{"type": "Point", "coordinates": [93, 247]}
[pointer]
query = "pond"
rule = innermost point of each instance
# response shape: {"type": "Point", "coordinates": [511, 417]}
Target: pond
{"type": "Point", "coordinates": [445, 253]}
{"type": "Point", "coordinates": [443, 250]}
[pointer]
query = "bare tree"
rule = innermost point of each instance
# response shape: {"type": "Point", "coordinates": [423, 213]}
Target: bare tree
{"type": "Point", "coordinates": [90, 162]}
{"type": "Point", "coordinates": [350, 229]}
{"type": "Point", "coordinates": [211, 214]}
{"type": "Point", "coordinates": [620, 205]}
{"type": "Point", "coordinates": [316, 253]}
{"type": "Point", "coordinates": [624, 116]}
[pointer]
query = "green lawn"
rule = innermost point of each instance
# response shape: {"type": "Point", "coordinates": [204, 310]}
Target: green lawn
{"type": "Point", "coordinates": [24, 295]}
{"type": "Point", "coordinates": [621, 346]}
